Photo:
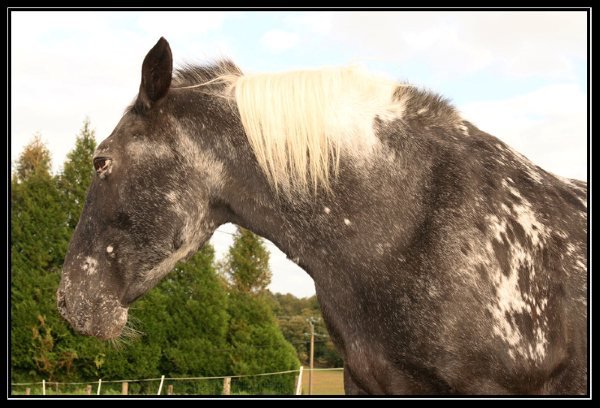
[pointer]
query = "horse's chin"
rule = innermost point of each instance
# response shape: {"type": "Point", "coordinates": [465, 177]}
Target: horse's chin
{"type": "Point", "coordinates": [105, 330]}
{"type": "Point", "coordinates": [109, 334]}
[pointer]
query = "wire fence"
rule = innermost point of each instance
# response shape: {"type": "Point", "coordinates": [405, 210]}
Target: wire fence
{"type": "Point", "coordinates": [291, 382]}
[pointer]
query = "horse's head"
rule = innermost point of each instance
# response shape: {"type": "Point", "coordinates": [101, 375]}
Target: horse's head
{"type": "Point", "coordinates": [151, 204]}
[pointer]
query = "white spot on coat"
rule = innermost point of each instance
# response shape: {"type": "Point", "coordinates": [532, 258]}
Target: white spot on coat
{"type": "Point", "coordinates": [172, 196]}
{"type": "Point", "coordinates": [109, 249]}
{"type": "Point", "coordinates": [347, 221]}
{"type": "Point", "coordinates": [327, 210]}
{"type": "Point", "coordinates": [510, 300]}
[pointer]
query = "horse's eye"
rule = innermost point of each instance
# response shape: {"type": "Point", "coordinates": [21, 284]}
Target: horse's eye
{"type": "Point", "coordinates": [102, 165]}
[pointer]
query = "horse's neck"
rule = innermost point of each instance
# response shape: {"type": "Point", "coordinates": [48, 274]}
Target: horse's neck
{"type": "Point", "coordinates": [371, 211]}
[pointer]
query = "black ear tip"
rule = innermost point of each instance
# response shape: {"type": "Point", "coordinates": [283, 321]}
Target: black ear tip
{"type": "Point", "coordinates": [161, 50]}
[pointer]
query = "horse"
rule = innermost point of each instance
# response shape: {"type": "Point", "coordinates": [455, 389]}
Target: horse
{"type": "Point", "coordinates": [445, 262]}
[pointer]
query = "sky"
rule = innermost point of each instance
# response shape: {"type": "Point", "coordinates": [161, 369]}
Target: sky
{"type": "Point", "coordinates": [520, 76]}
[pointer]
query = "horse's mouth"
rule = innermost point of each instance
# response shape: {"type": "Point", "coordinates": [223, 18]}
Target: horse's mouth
{"type": "Point", "coordinates": [105, 320]}
{"type": "Point", "coordinates": [100, 328]}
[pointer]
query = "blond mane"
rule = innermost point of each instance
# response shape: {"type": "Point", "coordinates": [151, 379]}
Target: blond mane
{"type": "Point", "coordinates": [299, 123]}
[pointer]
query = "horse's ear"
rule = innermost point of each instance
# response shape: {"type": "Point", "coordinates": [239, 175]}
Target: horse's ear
{"type": "Point", "coordinates": [157, 71]}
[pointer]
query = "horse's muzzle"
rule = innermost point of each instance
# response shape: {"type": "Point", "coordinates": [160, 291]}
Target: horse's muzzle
{"type": "Point", "coordinates": [103, 318]}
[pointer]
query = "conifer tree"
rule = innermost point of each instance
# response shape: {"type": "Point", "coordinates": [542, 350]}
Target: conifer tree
{"type": "Point", "coordinates": [247, 264]}
{"type": "Point", "coordinates": [257, 344]}
{"type": "Point", "coordinates": [196, 301]}
{"type": "Point", "coordinates": [78, 173]}
{"type": "Point", "coordinates": [35, 159]}
{"type": "Point", "coordinates": [38, 239]}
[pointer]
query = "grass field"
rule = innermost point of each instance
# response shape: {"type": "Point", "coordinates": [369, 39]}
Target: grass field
{"type": "Point", "coordinates": [324, 383]}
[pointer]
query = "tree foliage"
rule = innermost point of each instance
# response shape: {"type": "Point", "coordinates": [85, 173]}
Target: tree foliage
{"type": "Point", "coordinates": [257, 344]}
{"type": "Point", "coordinates": [77, 174]}
{"type": "Point", "coordinates": [35, 159]}
{"type": "Point", "coordinates": [247, 264]}
{"type": "Point", "coordinates": [293, 315]}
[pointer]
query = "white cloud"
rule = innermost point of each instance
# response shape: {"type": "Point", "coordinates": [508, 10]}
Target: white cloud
{"type": "Point", "coordinates": [315, 22]}
{"type": "Point", "coordinates": [547, 125]}
{"type": "Point", "coordinates": [518, 44]}
{"type": "Point", "coordinates": [279, 40]}
{"type": "Point", "coordinates": [181, 23]}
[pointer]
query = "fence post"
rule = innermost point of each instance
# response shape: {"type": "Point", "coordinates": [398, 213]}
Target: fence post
{"type": "Point", "coordinates": [99, 386]}
{"type": "Point", "coordinates": [299, 385]}
{"type": "Point", "coordinates": [88, 389]}
{"type": "Point", "coordinates": [227, 386]}
{"type": "Point", "coordinates": [162, 379]}
{"type": "Point", "coordinates": [312, 357]}
{"type": "Point", "coordinates": [27, 391]}
{"type": "Point", "coordinates": [43, 387]}
{"type": "Point", "coordinates": [125, 388]}
{"type": "Point", "coordinates": [170, 389]}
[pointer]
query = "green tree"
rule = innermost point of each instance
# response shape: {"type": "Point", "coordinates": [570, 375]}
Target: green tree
{"type": "Point", "coordinates": [35, 159]}
{"type": "Point", "coordinates": [38, 239]}
{"type": "Point", "coordinates": [77, 174]}
{"type": "Point", "coordinates": [196, 329]}
{"type": "Point", "coordinates": [247, 263]}
{"type": "Point", "coordinates": [257, 344]}
{"type": "Point", "coordinates": [293, 315]}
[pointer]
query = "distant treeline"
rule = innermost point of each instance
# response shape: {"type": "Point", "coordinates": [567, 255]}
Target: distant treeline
{"type": "Point", "coordinates": [204, 319]}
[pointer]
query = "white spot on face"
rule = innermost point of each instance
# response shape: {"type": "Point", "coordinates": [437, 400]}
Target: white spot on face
{"type": "Point", "coordinates": [203, 162]}
{"type": "Point", "coordinates": [90, 266]}
{"type": "Point", "coordinates": [140, 150]}
{"type": "Point", "coordinates": [109, 249]}
{"type": "Point", "coordinates": [121, 317]}
{"type": "Point", "coordinates": [347, 221]}
{"type": "Point", "coordinates": [327, 210]}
